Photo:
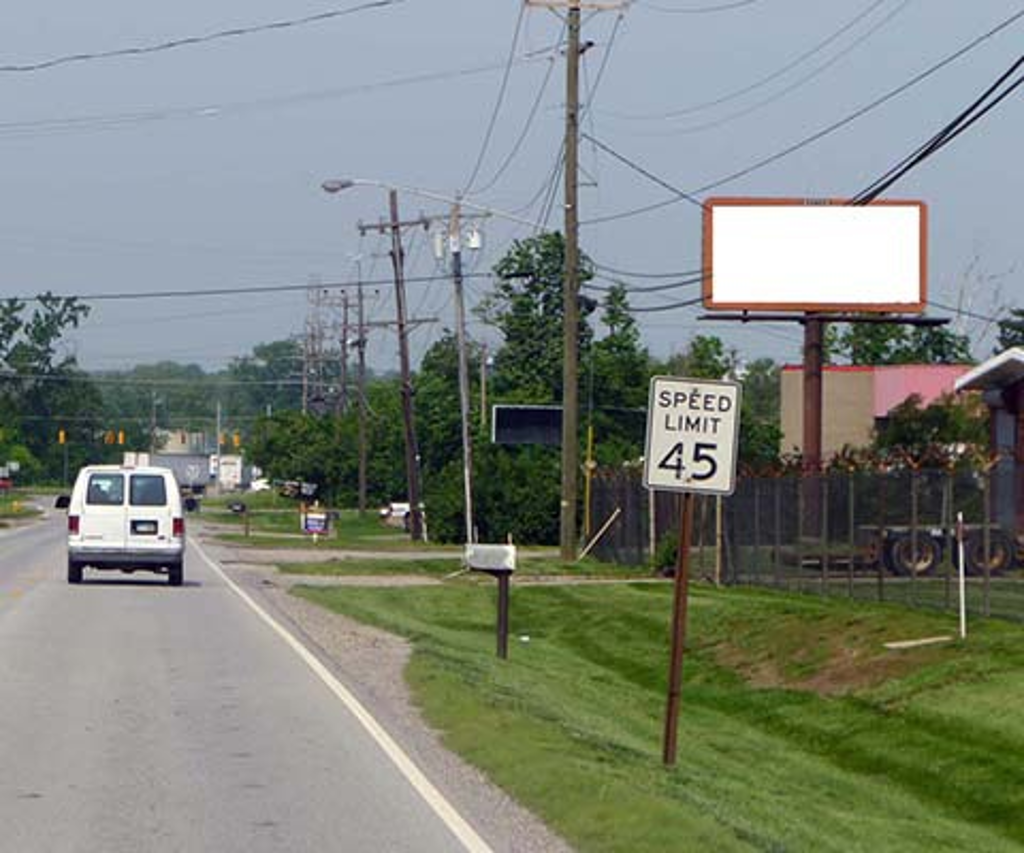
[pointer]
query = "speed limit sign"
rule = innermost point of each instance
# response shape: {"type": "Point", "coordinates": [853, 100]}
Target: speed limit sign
{"type": "Point", "coordinates": [693, 428]}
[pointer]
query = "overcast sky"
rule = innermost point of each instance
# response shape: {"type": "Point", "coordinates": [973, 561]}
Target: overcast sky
{"type": "Point", "coordinates": [198, 167]}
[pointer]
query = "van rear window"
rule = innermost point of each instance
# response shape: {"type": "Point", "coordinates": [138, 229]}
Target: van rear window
{"type": "Point", "coordinates": [105, 490]}
{"type": "Point", "coordinates": [148, 490]}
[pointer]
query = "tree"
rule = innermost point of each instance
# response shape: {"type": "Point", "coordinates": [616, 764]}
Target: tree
{"type": "Point", "coordinates": [946, 422]}
{"type": "Point", "coordinates": [760, 428]}
{"type": "Point", "coordinates": [527, 307]}
{"type": "Point", "coordinates": [42, 389]}
{"type": "Point", "coordinates": [895, 343]}
{"type": "Point", "coordinates": [705, 358]}
{"type": "Point", "coordinates": [1011, 330]}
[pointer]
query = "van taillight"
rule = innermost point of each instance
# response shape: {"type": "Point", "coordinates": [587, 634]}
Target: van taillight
{"type": "Point", "coordinates": [73, 521]}
{"type": "Point", "coordinates": [179, 527]}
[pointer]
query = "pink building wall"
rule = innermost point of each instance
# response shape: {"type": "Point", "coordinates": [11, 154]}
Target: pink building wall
{"type": "Point", "coordinates": [894, 383]}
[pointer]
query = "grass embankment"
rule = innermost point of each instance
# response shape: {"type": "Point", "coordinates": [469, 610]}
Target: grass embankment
{"type": "Point", "coordinates": [799, 731]}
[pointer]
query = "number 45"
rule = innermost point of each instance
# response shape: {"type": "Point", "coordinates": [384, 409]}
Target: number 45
{"type": "Point", "coordinates": [675, 460]}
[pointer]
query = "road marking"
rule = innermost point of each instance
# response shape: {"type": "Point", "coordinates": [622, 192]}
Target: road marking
{"type": "Point", "coordinates": [423, 786]}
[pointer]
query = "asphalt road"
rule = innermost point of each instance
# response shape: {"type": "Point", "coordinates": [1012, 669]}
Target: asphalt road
{"type": "Point", "coordinates": [137, 717]}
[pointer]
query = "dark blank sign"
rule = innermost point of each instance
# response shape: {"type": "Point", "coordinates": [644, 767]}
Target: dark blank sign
{"type": "Point", "coordinates": [527, 425]}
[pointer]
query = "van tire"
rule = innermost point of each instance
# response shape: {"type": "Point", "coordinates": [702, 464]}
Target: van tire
{"type": "Point", "coordinates": [176, 574]}
{"type": "Point", "coordinates": [74, 571]}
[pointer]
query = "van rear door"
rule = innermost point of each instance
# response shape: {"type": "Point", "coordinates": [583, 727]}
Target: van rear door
{"type": "Point", "coordinates": [102, 523]}
{"type": "Point", "coordinates": [149, 513]}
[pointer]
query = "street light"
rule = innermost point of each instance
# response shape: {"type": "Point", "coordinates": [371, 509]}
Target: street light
{"type": "Point", "coordinates": [455, 246]}
{"type": "Point", "coordinates": [569, 454]}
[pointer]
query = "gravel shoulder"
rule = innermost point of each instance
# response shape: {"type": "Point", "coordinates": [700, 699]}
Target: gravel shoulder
{"type": "Point", "coordinates": [371, 664]}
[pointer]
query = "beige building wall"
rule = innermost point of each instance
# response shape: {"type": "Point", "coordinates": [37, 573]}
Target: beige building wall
{"type": "Point", "coordinates": [848, 403]}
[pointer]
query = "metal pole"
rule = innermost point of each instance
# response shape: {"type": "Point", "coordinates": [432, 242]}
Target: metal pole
{"type": "Point", "coordinates": [455, 244]}
{"type": "Point", "coordinates": [962, 582]}
{"type": "Point", "coordinates": [679, 602]}
{"type": "Point", "coordinates": [408, 416]}
{"type": "Point", "coordinates": [570, 291]}
{"type": "Point", "coordinates": [814, 333]}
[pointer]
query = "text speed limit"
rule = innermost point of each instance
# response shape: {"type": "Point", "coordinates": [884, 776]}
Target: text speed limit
{"type": "Point", "coordinates": [693, 428]}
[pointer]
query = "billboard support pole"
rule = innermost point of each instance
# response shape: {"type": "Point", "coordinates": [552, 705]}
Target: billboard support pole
{"type": "Point", "coordinates": [814, 345]}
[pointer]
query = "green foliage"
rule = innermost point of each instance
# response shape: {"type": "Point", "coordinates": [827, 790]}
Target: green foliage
{"type": "Point", "coordinates": [760, 429]}
{"type": "Point", "coordinates": [895, 343]}
{"type": "Point", "coordinates": [948, 421]}
{"type": "Point", "coordinates": [1011, 330]}
{"type": "Point", "coordinates": [42, 390]}
{"type": "Point", "coordinates": [527, 307]}
{"type": "Point", "coordinates": [705, 358]}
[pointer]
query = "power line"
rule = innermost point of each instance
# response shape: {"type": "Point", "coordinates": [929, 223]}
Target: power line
{"type": "Point", "coordinates": [524, 132]}
{"type": "Point", "coordinates": [686, 303]}
{"type": "Point", "coordinates": [649, 288]}
{"type": "Point", "coordinates": [234, 291]}
{"type": "Point", "coordinates": [814, 137]}
{"type": "Point", "coordinates": [947, 134]}
{"type": "Point", "coordinates": [114, 121]}
{"type": "Point", "coordinates": [189, 41]}
{"type": "Point", "coordinates": [697, 10]}
{"type": "Point", "coordinates": [622, 158]}
{"type": "Point", "coordinates": [799, 83]}
{"type": "Point", "coordinates": [498, 101]}
{"type": "Point", "coordinates": [635, 274]}
{"type": "Point", "coordinates": [763, 81]}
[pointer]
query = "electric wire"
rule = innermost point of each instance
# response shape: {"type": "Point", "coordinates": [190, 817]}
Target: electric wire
{"type": "Point", "coordinates": [114, 121]}
{"type": "Point", "coordinates": [814, 137]}
{"type": "Point", "coordinates": [799, 83]}
{"type": "Point", "coordinates": [518, 144]}
{"type": "Point", "coordinates": [497, 103]}
{"type": "Point", "coordinates": [698, 10]}
{"type": "Point", "coordinates": [229, 291]}
{"type": "Point", "coordinates": [635, 274]}
{"type": "Point", "coordinates": [189, 41]}
{"type": "Point", "coordinates": [759, 83]}
{"type": "Point", "coordinates": [965, 119]}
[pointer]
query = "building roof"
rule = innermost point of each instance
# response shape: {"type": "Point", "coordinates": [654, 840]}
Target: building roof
{"type": "Point", "coordinates": [998, 372]}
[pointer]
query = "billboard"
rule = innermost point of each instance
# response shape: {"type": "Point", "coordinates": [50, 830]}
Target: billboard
{"type": "Point", "coordinates": [814, 255]}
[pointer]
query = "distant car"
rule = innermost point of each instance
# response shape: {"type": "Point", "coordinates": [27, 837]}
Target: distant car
{"type": "Point", "coordinates": [6, 484]}
{"type": "Point", "coordinates": [260, 485]}
{"type": "Point", "coordinates": [125, 518]}
{"type": "Point", "coordinates": [396, 514]}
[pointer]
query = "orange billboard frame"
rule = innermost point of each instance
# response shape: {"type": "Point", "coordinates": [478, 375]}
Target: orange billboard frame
{"type": "Point", "coordinates": [757, 240]}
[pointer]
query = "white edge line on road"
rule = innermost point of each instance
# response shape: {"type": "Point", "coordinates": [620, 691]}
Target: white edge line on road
{"type": "Point", "coordinates": [423, 786]}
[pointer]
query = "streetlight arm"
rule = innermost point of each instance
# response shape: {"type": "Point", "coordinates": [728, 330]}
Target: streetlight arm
{"type": "Point", "coordinates": [338, 184]}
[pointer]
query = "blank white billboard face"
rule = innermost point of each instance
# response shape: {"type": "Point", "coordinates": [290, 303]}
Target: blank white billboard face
{"type": "Point", "coordinates": [796, 255]}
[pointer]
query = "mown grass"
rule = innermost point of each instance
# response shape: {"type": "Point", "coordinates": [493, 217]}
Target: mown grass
{"type": "Point", "coordinates": [798, 731]}
{"type": "Point", "coordinates": [527, 568]}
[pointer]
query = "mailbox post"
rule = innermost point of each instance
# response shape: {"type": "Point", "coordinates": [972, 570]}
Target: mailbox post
{"type": "Point", "coordinates": [498, 561]}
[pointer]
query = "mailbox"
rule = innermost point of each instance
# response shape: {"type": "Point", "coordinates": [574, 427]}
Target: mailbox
{"type": "Point", "coordinates": [498, 561]}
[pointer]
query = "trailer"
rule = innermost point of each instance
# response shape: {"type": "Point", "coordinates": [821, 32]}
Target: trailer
{"type": "Point", "coordinates": [905, 550]}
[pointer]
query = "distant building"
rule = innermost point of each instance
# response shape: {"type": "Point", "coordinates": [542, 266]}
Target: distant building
{"type": "Point", "coordinates": [857, 400]}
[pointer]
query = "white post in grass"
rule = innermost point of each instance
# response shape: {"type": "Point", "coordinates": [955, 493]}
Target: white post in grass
{"type": "Point", "coordinates": [960, 554]}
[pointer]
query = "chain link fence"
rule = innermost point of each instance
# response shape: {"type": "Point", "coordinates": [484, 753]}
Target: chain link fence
{"type": "Point", "coordinates": [863, 534]}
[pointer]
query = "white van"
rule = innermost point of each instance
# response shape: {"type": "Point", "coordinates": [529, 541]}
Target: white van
{"type": "Point", "coordinates": [126, 518]}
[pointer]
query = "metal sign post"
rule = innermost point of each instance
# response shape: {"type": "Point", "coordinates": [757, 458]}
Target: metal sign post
{"type": "Point", "coordinates": [692, 442]}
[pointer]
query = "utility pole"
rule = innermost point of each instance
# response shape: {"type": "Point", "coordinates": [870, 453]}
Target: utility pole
{"type": "Point", "coordinates": [568, 536]}
{"type": "Point", "coordinates": [361, 378]}
{"type": "Point", "coordinates": [455, 245]}
{"type": "Point", "coordinates": [412, 454]}
{"type": "Point", "coordinates": [343, 391]}
{"type": "Point", "coordinates": [570, 291]}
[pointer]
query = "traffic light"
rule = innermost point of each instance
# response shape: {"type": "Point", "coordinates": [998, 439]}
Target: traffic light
{"type": "Point", "coordinates": [120, 436]}
{"type": "Point", "coordinates": [61, 437]}
{"type": "Point", "coordinates": [236, 439]}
